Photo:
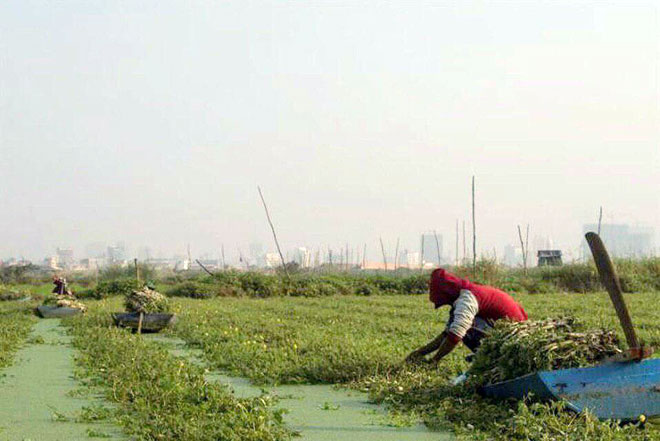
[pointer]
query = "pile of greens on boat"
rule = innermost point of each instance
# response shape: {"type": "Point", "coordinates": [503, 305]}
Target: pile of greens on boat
{"type": "Point", "coordinates": [146, 301]}
{"type": "Point", "coordinates": [519, 348]}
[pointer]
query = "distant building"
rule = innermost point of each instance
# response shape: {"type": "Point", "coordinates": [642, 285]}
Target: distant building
{"type": "Point", "coordinates": [408, 259]}
{"type": "Point", "coordinates": [431, 248]}
{"type": "Point", "coordinates": [273, 260]}
{"type": "Point", "coordinates": [91, 263]}
{"type": "Point", "coordinates": [65, 258]}
{"type": "Point", "coordinates": [302, 256]}
{"type": "Point", "coordinates": [622, 240]}
{"type": "Point", "coordinates": [549, 257]}
{"type": "Point", "coordinates": [116, 254]}
{"type": "Point", "coordinates": [513, 255]}
{"type": "Point", "coordinates": [51, 262]}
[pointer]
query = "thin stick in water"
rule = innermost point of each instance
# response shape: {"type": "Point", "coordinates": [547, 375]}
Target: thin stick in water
{"type": "Point", "coordinates": [382, 247]}
{"type": "Point", "coordinates": [437, 247]}
{"type": "Point", "coordinates": [396, 254]}
{"type": "Point", "coordinates": [272, 228]}
{"type": "Point", "coordinates": [474, 232]}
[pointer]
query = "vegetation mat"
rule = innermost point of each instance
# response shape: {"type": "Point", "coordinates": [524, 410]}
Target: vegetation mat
{"type": "Point", "coordinates": [317, 412]}
{"type": "Point", "coordinates": [161, 397]}
{"type": "Point", "coordinates": [15, 323]}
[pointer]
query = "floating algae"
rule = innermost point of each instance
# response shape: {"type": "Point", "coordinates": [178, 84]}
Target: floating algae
{"type": "Point", "coordinates": [514, 349]}
{"type": "Point", "coordinates": [146, 301]}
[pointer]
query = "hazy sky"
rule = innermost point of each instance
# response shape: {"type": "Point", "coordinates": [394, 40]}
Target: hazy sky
{"type": "Point", "coordinates": [153, 122]}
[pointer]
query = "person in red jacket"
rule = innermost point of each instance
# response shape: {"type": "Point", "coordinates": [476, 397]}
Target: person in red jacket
{"type": "Point", "coordinates": [474, 309]}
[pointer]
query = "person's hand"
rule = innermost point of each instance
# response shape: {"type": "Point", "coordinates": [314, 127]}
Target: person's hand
{"type": "Point", "coordinates": [415, 357]}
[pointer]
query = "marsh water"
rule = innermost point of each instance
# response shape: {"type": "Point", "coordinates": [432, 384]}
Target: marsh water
{"type": "Point", "coordinates": [318, 412]}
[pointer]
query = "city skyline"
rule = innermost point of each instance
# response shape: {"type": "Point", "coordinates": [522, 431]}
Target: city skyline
{"type": "Point", "coordinates": [125, 122]}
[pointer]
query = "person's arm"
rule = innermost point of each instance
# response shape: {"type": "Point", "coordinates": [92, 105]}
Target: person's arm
{"type": "Point", "coordinates": [460, 319]}
{"type": "Point", "coordinates": [434, 344]}
{"type": "Point", "coordinates": [446, 346]}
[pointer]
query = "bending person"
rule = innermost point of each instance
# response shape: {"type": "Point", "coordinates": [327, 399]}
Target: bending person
{"type": "Point", "coordinates": [474, 309]}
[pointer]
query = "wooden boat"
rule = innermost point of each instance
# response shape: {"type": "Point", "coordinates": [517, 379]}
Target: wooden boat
{"type": "Point", "coordinates": [50, 311]}
{"type": "Point", "coordinates": [152, 322]}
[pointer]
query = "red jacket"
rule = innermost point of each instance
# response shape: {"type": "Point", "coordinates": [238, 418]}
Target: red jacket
{"type": "Point", "coordinates": [444, 289]}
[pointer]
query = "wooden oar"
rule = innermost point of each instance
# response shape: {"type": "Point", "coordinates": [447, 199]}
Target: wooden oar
{"type": "Point", "coordinates": [611, 282]}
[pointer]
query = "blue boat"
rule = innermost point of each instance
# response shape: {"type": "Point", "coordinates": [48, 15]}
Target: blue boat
{"type": "Point", "coordinates": [620, 390]}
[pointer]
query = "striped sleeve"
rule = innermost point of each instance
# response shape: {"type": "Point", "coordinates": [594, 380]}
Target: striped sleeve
{"type": "Point", "coordinates": [466, 308]}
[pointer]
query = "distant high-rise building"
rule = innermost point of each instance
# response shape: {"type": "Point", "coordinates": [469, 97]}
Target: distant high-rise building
{"type": "Point", "coordinates": [513, 255]}
{"type": "Point", "coordinates": [95, 249]}
{"type": "Point", "coordinates": [622, 240]}
{"type": "Point", "coordinates": [116, 254]}
{"type": "Point", "coordinates": [65, 257]}
{"type": "Point", "coordinates": [431, 248]}
{"type": "Point", "coordinates": [302, 256]}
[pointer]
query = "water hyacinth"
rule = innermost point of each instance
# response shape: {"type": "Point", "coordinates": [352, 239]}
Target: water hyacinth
{"type": "Point", "coordinates": [146, 301]}
{"type": "Point", "coordinates": [514, 349]}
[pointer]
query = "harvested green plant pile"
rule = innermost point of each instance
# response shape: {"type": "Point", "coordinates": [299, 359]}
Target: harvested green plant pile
{"type": "Point", "coordinates": [71, 302]}
{"type": "Point", "coordinates": [514, 349]}
{"type": "Point", "coordinates": [146, 301]}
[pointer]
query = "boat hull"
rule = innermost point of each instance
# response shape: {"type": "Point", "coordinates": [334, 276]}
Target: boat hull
{"type": "Point", "coordinates": [152, 322]}
{"type": "Point", "coordinates": [46, 311]}
{"type": "Point", "coordinates": [621, 391]}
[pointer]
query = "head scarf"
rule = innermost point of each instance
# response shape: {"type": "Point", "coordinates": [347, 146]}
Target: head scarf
{"type": "Point", "coordinates": [444, 287]}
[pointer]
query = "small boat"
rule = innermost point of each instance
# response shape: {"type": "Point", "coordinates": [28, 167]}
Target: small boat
{"type": "Point", "coordinates": [620, 390]}
{"type": "Point", "coordinates": [152, 322]}
{"type": "Point", "coordinates": [49, 311]}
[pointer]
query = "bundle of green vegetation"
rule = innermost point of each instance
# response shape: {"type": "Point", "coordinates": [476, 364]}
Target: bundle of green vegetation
{"type": "Point", "coordinates": [146, 301]}
{"type": "Point", "coordinates": [9, 294]}
{"type": "Point", "coordinates": [514, 349]}
{"type": "Point", "coordinates": [66, 300]}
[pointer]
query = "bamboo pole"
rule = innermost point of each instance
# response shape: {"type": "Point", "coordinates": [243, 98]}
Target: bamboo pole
{"type": "Point", "coordinates": [600, 218]}
{"type": "Point", "coordinates": [382, 248]}
{"type": "Point", "coordinates": [222, 250]}
{"type": "Point", "coordinates": [241, 259]}
{"type": "Point", "coordinates": [396, 254]}
{"type": "Point", "coordinates": [137, 271]}
{"type": "Point", "coordinates": [456, 255]}
{"type": "Point", "coordinates": [421, 257]}
{"type": "Point", "coordinates": [437, 247]}
{"type": "Point", "coordinates": [474, 232]}
{"type": "Point", "coordinates": [272, 228]}
{"type": "Point", "coordinates": [464, 245]}
{"type": "Point", "coordinates": [522, 246]}
{"type": "Point", "coordinates": [527, 246]}
{"type": "Point", "coordinates": [203, 267]}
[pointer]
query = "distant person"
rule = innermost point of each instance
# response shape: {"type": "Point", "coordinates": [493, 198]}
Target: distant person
{"type": "Point", "coordinates": [61, 287]}
{"type": "Point", "coordinates": [474, 310]}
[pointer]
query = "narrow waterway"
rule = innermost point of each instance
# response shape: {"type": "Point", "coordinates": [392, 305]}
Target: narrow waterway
{"type": "Point", "coordinates": [35, 400]}
{"type": "Point", "coordinates": [318, 412]}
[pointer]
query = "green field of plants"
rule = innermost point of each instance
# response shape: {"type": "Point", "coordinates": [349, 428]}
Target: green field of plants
{"type": "Point", "coordinates": [333, 328]}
